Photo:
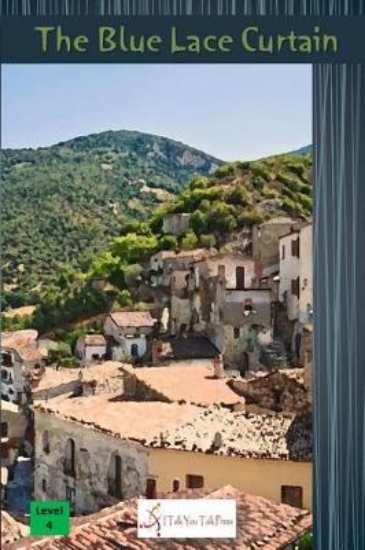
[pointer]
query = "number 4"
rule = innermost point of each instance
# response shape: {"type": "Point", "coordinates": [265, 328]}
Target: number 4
{"type": "Point", "coordinates": [49, 525]}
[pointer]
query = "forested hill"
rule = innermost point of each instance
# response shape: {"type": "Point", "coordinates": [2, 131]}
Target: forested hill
{"type": "Point", "coordinates": [64, 203]}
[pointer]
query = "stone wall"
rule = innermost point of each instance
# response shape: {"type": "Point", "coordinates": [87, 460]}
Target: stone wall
{"type": "Point", "coordinates": [139, 390]}
{"type": "Point", "coordinates": [265, 241]}
{"type": "Point", "coordinates": [274, 392]}
{"type": "Point", "coordinates": [177, 224]}
{"type": "Point", "coordinates": [306, 353]}
{"type": "Point", "coordinates": [94, 451]}
{"type": "Point", "coordinates": [278, 392]}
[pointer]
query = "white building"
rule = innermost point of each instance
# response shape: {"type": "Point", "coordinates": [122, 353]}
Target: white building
{"type": "Point", "coordinates": [296, 273]}
{"type": "Point", "coordinates": [12, 375]}
{"type": "Point", "coordinates": [129, 330]}
{"type": "Point", "coordinates": [91, 348]}
{"type": "Point", "coordinates": [21, 361]}
{"type": "Point", "coordinates": [238, 271]}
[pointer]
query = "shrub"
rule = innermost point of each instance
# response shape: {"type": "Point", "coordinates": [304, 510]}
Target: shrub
{"type": "Point", "coordinates": [259, 169]}
{"type": "Point", "coordinates": [225, 170]}
{"type": "Point", "coordinates": [305, 201]}
{"type": "Point", "coordinates": [124, 299]}
{"type": "Point", "coordinates": [249, 218]}
{"type": "Point", "coordinates": [189, 242]}
{"type": "Point", "coordinates": [167, 242]}
{"type": "Point", "coordinates": [199, 222]}
{"type": "Point", "coordinates": [306, 542]}
{"type": "Point", "coordinates": [132, 273]}
{"type": "Point", "coordinates": [258, 182]}
{"type": "Point", "coordinates": [237, 195]}
{"type": "Point", "coordinates": [207, 241]}
{"type": "Point", "coordinates": [198, 183]}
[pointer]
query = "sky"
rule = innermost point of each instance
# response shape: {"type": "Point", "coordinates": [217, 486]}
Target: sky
{"type": "Point", "coordinates": [233, 112]}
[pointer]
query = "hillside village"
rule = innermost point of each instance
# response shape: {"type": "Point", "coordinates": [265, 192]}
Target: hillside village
{"type": "Point", "coordinates": [206, 392]}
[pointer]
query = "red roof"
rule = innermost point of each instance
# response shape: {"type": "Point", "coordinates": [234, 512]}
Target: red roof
{"type": "Point", "coordinates": [261, 524]}
{"type": "Point", "coordinates": [133, 319]}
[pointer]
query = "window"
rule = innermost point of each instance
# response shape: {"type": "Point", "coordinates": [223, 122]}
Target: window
{"type": "Point", "coordinates": [151, 488]}
{"type": "Point", "coordinates": [115, 477]}
{"type": "Point", "coordinates": [236, 332]}
{"type": "Point", "coordinates": [295, 248]}
{"type": "Point", "coordinates": [176, 485]}
{"type": "Point", "coordinates": [291, 495]}
{"type": "Point", "coordinates": [194, 482]}
{"type": "Point", "coordinates": [134, 350]}
{"type": "Point", "coordinates": [44, 485]}
{"type": "Point", "coordinates": [4, 429]}
{"type": "Point", "coordinates": [295, 287]}
{"type": "Point", "coordinates": [45, 442]}
{"type": "Point", "coordinates": [240, 278]}
{"type": "Point", "coordinates": [69, 464]}
{"type": "Point", "coordinates": [283, 252]}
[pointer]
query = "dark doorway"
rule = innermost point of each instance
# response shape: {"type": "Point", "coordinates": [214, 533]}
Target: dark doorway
{"type": "Point", "coordinates": [134, 350]}
{"type": "Point", "coordinates": [245, 364]}
{"type": "Point", "coordinates": [240, 278]}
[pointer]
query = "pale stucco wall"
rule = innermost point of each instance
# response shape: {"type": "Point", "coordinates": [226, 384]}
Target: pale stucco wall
{"type": "Point", "coordinates": [289, 270]}
{"type": "Point", "coordinates": [257, 477]}
{"type": "Point", "coordinates": [292, 267]}
{"type": "Point", "coordinates": [94, 451]}
{"type": "Point", "coordinates": [306, 276]}
{"type": "Point", "coordinates": [230, 264]}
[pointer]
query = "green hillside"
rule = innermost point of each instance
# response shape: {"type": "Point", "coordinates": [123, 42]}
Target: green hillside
{"type": "Point", "coordinates": [78, 235]}
{"type": "Point", "coordinates": [240, 194]}
{"type": "Point", "coordinates": [63, 204]}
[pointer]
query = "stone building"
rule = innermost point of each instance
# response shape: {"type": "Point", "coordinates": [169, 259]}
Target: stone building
{"type": "Point", "coordinates": [129, 331]}
{"type": "Point", "coordinates": [238, 270]}
{"type": "Point", "coordinates": [266, 455]}
{"type": "Point", "coordinates": [265, 242]}
{"type": "Point", "coordinates": [90, 349]}
{"type": "Point", "coordinates": [90, 450]}
{"type": "Point", "coordinates": [13, 432]}
{"type": "Point", "coordinates": [296, 280]}
{"type": "Point", "coordinates": [164, 263]}
{"type": "Point", "coordinates": [21, 362]}
{"type": "Point", "coordinates": [176, 224]}
{"type": "Point", "coordinates": [238, 322]}
{"type": "Point", "coordinates": [203, 446]}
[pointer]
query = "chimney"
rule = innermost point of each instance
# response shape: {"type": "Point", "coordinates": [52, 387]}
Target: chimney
{"type": "Point", "coordinates": [217, 441]}
{"type": "Point", "coordinates": [176, 485]}
{"type": "Point", "coordinates": [218, 367]}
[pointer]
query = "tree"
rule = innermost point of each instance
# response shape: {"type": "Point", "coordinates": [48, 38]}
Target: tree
{"type": "Point", "coordinates": [132, 273]}
{"type": "Point", "coordinates": [207, 241]}
{"type": "Point", "coordinates": [124, 299]}
{"type": "Point", "coordinates": [199, 222]}
{"type": "Point", "coordinates": [134, 248]}
{"type": "Point", "coordinates": [168, 242]}
{"type": "Point", "coordinates": [190, 241]}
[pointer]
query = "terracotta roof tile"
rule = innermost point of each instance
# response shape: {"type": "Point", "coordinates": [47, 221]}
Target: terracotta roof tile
{"type": "Point", "coordinates": [261, 524]}
{"type": "Point", "coordinates": [193, 384]}
{"type": "Point", "coordinates": [141, 421]}
{"type": "Point", "coordinates": [133, 319]}
{"type": "Point", "coordinates": [95, 340]}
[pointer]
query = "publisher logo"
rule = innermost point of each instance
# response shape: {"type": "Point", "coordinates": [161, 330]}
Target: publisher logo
{"type": "Point", "coordinates": [187, 518]}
